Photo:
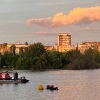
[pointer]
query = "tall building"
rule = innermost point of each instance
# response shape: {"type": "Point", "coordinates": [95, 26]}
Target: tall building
{"type": "Point", "coordinates": [64, 42]}
{"type": "Point", "coordinates": [64, 39]}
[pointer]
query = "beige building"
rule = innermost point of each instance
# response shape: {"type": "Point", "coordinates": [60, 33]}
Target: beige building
{"type": "Point", "coordinates": [64, 39]}
{"type": "Point", "coordinates": [49, 47]}
{"type": "Point", "coordinates": [64, 42]}
{"type": "Point", "coordinates": [86, 45]}
{"type": "Point", "coordinates": [63, 45]}
{"type": "Point", "coordinates": [7, 47]}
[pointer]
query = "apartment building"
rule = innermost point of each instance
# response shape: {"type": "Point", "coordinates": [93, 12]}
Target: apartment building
{"type": "Point", "coordinates": [63, 45]}
{"type": "Point", "coordinates": [64, 39]}
{"type": "Point", "coordinates": [7, 47]}
{"type": "Point", "coordinates": [64, 42]}
{"type": "Point", "coordinates": [86, 45]}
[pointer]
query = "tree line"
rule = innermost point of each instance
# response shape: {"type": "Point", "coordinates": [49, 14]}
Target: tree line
{"type": "Point", "coordinates": [36, 57]}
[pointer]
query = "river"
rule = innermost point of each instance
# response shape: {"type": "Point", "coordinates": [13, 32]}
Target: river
{"type": "Point", "coordinates": [72, 85]}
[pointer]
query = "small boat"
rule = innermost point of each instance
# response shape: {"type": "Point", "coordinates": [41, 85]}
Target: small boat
{"type": "Point", "coordinates": [21, 80]}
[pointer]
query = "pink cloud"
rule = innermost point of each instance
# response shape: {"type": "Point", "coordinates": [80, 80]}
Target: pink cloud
{"type": "Point", "coordinates": [84, 29]}
{"type": "Point", "coordinates": [44, 33]}
{"type": "Point", "coordinates": [75, 16]}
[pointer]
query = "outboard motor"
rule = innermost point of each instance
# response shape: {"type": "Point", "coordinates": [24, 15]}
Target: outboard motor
{"type": "Point", "coordinates": [55, 88]}
{"type": "Point", "coordinates": [24, 80]}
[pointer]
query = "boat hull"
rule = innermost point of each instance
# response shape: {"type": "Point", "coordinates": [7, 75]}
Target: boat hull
{"type": "Point", "coordinates": [9, 81]}
{"type": "Point", "coordinates": [12, 81]}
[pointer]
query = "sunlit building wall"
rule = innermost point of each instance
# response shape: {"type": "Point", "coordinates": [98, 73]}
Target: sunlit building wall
{"type": "Point", "coordinates": [64, 39]}
{"type": "Point", "coordinates": [49, 47]}
{"type": "Point", "coordinates": [64, 42]}
{"type": "Point", "coordinates": [86, 45]}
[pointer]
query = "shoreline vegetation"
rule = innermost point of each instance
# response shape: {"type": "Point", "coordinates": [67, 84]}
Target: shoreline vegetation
{"type": "Point", "coordinates": [35, 57]}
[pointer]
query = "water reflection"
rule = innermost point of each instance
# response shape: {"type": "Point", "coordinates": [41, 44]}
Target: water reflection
{"type": "Point", "coordinates": [72, 85]}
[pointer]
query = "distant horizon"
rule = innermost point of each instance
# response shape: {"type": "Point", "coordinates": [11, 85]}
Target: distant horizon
{"type": "Point", "coordinates": [48, 44]}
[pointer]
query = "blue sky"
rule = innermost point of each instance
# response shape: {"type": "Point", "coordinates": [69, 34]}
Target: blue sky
{"type": "Point", "coordinates": [41, 20]}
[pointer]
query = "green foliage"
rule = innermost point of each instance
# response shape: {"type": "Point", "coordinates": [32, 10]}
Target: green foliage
{"type": "Point", "coordinates": [26, 43]}
{"type": "Point", "coordinates": [37, 58]}
{"type": "Point", "coordinates": [35, 50]}
{"type": "Point", "coordinates": [40, 62]}
{"type": "Point", "coordinates": [88, 60]}
{"type": "Point", "coordinates": [9, 59]}
{"type": "Point", "coordinates": [4, 44]}
{"type": "Point", "coordinates": [12, 49]}
{"type": "Point", "coordinates": [1, 61]}
{"type": "Point", "coordinates": [23, 63]}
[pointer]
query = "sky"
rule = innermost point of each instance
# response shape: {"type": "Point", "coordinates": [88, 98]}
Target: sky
{"type": "Point", "coordinates": [35, 21]}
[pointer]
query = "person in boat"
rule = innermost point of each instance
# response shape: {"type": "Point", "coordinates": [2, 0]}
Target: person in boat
{"type": "Point", "coordinates": [1, 76]}
{"type": "Point", "coordinates": [51, 87]}
{"type": "Point", "coordinates": [48, 87]}
{"type": "Point", "coordinates": [7, 76]}
{"type": "Point", "coordinates": [15, 75]}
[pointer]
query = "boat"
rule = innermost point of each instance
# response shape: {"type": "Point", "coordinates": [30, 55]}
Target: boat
{"type": "Point", "coordinates": [20, 80]}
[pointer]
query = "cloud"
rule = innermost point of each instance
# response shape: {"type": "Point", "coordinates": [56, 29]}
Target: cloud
{"type": "Point", "coordinates": [75, 16]}
{"type": "Point", "coordinates": [45, 33]}
{"type": "Point", "coordinates": [84, 29]}
{"type": "Point", "coordinates": [48, 33]}
{"type": "Point", "coordinates": [43, 22]}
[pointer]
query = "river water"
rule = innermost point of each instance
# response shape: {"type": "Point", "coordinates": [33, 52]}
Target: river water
{"type": "Point", "coordinates": [72, 85]}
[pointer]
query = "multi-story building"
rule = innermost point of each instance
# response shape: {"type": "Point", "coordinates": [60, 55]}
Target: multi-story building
{"type": "Point", "coordinates": [64, 39]}
{"type": "Point", "coordinates": [64, 42]}
{"type": "Point", "coordinates": [86, 45]}
{"type": "Point", "coordinates": [7, 47]}
{"type": "Point", "coordinates": [63, 45]}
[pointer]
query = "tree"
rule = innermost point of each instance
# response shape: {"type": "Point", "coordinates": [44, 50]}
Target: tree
{"type": "Point", "coordinates": [21, 50]}
{"type": "Point", "coordinates": [40, 62]}
{"type": "Point", "coordinates": [5, 44]}
{"type": "Point", "coordinates": [89, 53]}
{"type": "Point", "coordinates": [9, 59]}
{"type": "Point", "coordinates": [1, 60]}
{"type": "Point", "coordinates": [23, 63]}
{"type": "Point", "coordinates": [13, 48]}
{"type": "Point", "coordinates": [26, 43]}
{"type": "Point", "coordinates": [35, 50]}
{"type": "Point", "coordinates": [55, 59]}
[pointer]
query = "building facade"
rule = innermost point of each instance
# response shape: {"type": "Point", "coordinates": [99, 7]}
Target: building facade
{"type": "Point", "coordinates": [86, 45]}
{"type": "Point", "coordinates": [64, 42]}
{"type": "Point", "coordinates": [63, 45]}
{"type": "Point", "coordinates": [64, 39]}
{"type": "Point", "coordinates": [7, 47]}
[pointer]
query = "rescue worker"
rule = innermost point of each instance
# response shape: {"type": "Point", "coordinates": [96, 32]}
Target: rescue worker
{"type": "Point", "coordinates": [1, 76]}
{"type": "Point", "coordinates": [7, 76]}
{"type": "Point", "coordinates": [15, 75]}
